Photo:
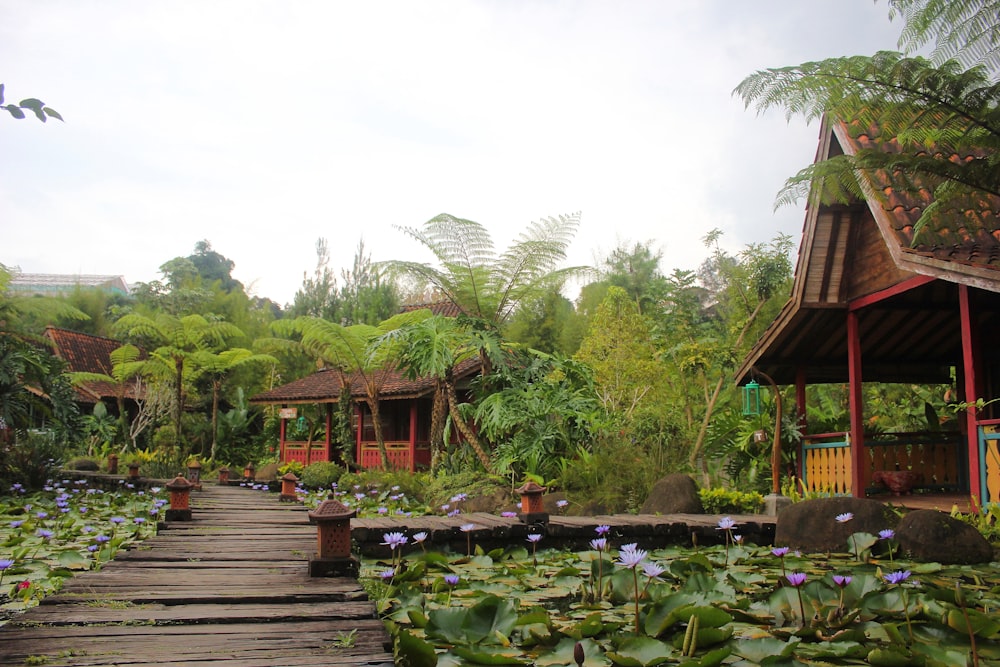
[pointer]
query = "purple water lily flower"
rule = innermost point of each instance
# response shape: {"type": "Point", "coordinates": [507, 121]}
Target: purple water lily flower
{"type": "Point", "coordinates": [842, 580]}
{"type": "Point", "coordinates": [534, 538]}
{"type": "Point", "coordinates": [796, 579]}
{"type": "Point", "coordinates": [630, 556]}
{"type": "Point", "coordinates": [897, 577]}
{"type": "Point", "coordinates": [451, 579]}
{"type": "Point", "coordinates": [886, 534]}
{"type": "Point", "coordinates": [844, 518]}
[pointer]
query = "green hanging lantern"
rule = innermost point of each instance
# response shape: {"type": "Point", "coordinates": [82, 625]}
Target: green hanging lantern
{"type": "Point", "coordinates": [300, 424]}
{"type": "Point", "coordinates": [751, 398]}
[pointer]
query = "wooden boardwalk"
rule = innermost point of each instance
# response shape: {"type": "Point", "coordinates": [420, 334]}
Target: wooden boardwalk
{"type": "Point", "coordinates": [230, 587]}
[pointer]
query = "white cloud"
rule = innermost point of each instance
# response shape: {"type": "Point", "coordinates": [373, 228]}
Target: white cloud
{"type": "Point", "coordinates": [261, 126]}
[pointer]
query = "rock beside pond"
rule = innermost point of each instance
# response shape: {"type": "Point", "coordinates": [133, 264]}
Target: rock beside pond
{"type": "Point", "coordinates": [812, 527]}
{"type": "Point", "coordinates": [929, 535]}
{"type": "Point", "coordinates": [674, 494]}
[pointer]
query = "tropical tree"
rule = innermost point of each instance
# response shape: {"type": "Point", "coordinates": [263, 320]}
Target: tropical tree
{"type": "Point", "coordinates": [352, 351]}
{"type": "Point", "coordinates": [482, 283]}
{"type": "Point", "coordinates": [126, 367]}
{"type": "Point", "coordinates": [174, 342]}
{"type": "Point", "coordinates": [747, 291]}
{"type": "Point", "coordinates": [620, 350]}
{"type": "Point", "coordinates": [433, 347]}
{"type": "Point", "coordinates": [950, 104]}
{"type": "Point", "coordinates": [217, 367]}
{"type": "Point", "coordinates": [544, 414]}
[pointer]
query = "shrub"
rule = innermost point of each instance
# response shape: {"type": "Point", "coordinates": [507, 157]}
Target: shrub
{"type": "Point", "coordinates": [30, 460]}
{"type": "Point", "coordinates": [320, 475]}
{"type": "Point", "coordinates": [293, 467]}
{"type": "Point", "coordinates": [83, 463]}
{"type": "Point", "coordinates": [724, 501]}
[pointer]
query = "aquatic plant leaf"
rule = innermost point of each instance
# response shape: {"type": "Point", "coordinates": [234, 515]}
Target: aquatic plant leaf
{"type": "Point", "coordinates": [979, 623]}
{"type": "Point", "coordinates": [641, 652]}
{"type": "Point", "coordinates": [757, 650]}
{"type": "Point", "coordinates": [490, 656]}
{"type": "Point", "coordinates": [415, 651]}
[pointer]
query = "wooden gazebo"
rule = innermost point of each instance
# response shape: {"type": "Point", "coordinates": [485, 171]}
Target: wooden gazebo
{"type": "Point", "coordinates": [404, 406]}
{"type": "Point", "coordinates": [870, 304]}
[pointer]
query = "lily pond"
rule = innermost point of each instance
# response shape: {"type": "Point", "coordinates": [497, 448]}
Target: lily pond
{"type": "Point", "coordinates": [733, 604]}
{"type": "Point", "coordinates": [69, 527]}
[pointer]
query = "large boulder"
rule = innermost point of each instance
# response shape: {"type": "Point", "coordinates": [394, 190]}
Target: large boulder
{"type": "Point", "coordinates": [674, 494]}
{"type": "Point", "coordinates": [811, 525]}
{"type": "Point", "coordinates": [929, 535]}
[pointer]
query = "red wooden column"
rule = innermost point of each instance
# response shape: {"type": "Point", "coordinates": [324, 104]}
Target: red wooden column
{"type": "Point", "coordinates": [970, 370]}
{"type": "Point", "coordinates": [859, 464]}
{"type": "Point", "coordinates": [281, 439]}
{"type": "Point", "coordinates": [413, 435]}
{"type": "Point", "coordinates": [329, 425]}
{"type": "Point", "coordinates": [359, 417]}
{"type": "Point", "coordinates": [800, 405]}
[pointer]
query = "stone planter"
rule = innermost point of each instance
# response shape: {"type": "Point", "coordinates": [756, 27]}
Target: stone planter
{"type": "Point", "coordinates": [899, 482]}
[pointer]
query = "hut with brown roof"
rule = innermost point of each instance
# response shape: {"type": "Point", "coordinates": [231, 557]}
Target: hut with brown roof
{"type": "Point", "coordinates": [405, 410]}
{"type": "Point", "coordinates": [85, 353]}
{"type": "Point", "coordinates": [874, 302]}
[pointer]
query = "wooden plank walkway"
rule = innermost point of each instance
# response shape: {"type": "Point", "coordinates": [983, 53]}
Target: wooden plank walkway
{"type": "Point", "coordinates": [229, 587]}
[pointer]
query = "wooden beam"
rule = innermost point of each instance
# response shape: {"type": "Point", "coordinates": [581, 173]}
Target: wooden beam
{"type": "Point", "coordinates": [857, 431]}
{"type": "Point", "coordinates": [889, 292]}
{"type": "Point", "coordinates": [970, 368]}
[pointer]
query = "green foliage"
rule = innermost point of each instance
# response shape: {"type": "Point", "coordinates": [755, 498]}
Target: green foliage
{"type": "Point", "coordinates": [724, 501]}
{"type": "Point", "coordinates": [615, 476]}
{"type": "Point", "coordinates": [30, 460]}
{"type": "Point", "coordinates": [546, 408]}
{"type": "Point", "coordinates": [483, 284]}
{"type": "Point", "coordinates": [320, 475]}
{"type": "Point", "coordinates": [950, 105]}
{"type": "Point", "coordinates": [294, 467]}
{"type": "Point", "coordinates": [986, 519]}
{"type": "Point", "coordinates": [40, 109]}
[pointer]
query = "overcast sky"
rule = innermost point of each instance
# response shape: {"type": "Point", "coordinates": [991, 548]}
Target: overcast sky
{"type": "Point", "coordinates": [262, 126]}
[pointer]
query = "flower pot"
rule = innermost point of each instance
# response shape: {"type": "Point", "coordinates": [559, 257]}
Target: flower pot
{"type": "Point", "coordinates": [899, 482]}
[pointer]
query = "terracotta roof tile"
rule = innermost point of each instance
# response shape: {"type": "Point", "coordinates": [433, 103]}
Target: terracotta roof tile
{"type": "Point", "coordinates": [324, 386]}
{"type": "Point", "coordinates": [84, 353]}
{"type": "Point", "coordinates": [968, 236]}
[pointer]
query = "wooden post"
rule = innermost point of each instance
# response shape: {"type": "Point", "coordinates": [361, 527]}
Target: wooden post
{"type": "Point", "coordinates": [857, 431]}
{"type": "Point", "coordinates": [970, 366]}
{"type": "Point", "coordinates": [413, 435]}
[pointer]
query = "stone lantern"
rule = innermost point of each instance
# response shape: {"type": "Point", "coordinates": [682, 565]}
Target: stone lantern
{"type": "Point", "coordinates": [223, 476]}
{"type": "Point", "coordinates": [194, 473]}
{"type": "Point", "coordinates": [333, 541]}
{"type": "Point", "coordinates": [180, 499]}
{"type": "Point", "coordinates": [532, 510]}
{"type": "Point", "coordinates": [133, 470]}
{"type": "Point", "coordinates": [112, 464]}
{"type": "Point", "coordinates": [288, 481]}
{"type": "Point", "coordinates": [249, 472]}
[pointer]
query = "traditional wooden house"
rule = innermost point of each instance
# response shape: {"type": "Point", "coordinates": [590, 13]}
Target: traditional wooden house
{"type": "Point", "coordinates": [404, 409]}
{"type": "Point", "coordinates": [85, 353]}
{"type": "Point", "coordinates": [872, 302]}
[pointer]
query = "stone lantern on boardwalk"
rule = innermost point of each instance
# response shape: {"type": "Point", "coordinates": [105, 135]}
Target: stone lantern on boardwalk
{"type": "Point", "coordinates": [333, 541]}
{"type": "Point", "coordinates": [133, 470]}
{"type": "Point", "coordinates": [223, 476]}
{"type": "Point", "coordinates": [194, 474]}
{"type": "Point", "coordinates": [180, 499]}
{"type": "Point", "coordinates": [288, 484]}
{"type": "Point", "coordinates": [532, 510]}
{"type": "Point", "coordinates": [249, 472]}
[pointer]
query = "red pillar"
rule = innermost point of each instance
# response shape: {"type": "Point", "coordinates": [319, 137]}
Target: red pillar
{"type": "Point", "coordinates": [800, 406]}
{"type": "Point", "coordinates": [859, 464]}
{"type": "Point", "coordinates": [329, 425]}
{"type": "Point", "coordinates": [359, 417]}
{"type": "Point", "coordinates": [413, 435]}
{"type": "Point", "coordinates": [281, 440]}
{"type": "Point", "coordinates": [970, 366]}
